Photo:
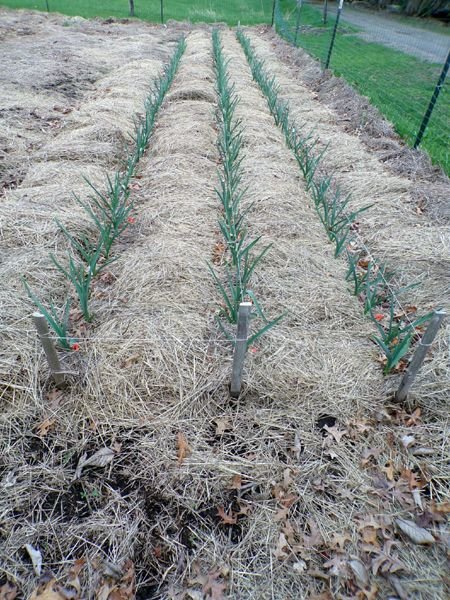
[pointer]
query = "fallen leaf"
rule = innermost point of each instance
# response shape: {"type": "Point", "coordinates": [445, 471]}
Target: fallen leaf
{"type": "Point", "coordinates": [288, 500]}
{"type": "Point", "coordinates": [385, 562]}
{"type": "Point", "coordinates": [370, 456]}
{"type": "Point", "coordinates": [244, 509]}
{"type": "Point", "coordinates": [118, 587]}
{"type": "Point", "coordinates": [299, 566]}
{"type": "Point", "coordinates": [101, 458]}
{"type": "Point", "coordinates": [369, 535]}
{"type": "Point", "coordinates": [338, 540]}
{"type": "Point", "coordinates": [414, 418]}
{"type": "Point", "coordinates": [55, 397]}
{"type": "Point", "coordinates": [320, 575]}
{"type": "Point", "coordinates": [441, 507]}
{"type": "Point", "coordinates": [389, 470]}
{"type": "Point", "coordinates": [297, 448]}
{"type": "Point", "coordinates": [236, 482]}
{"type": "Point", "coordinates": [290, 532]}
{"type": "Point", "coordinates": [223, 424]}
{"type": "Point", "coordinates": [218, 252]}
{"type": "Point", "coordinates": [400, 590]}
{"type": "Point", "coordinates": [281, 514]}
{"type": "Point", "coordinates": [73, 579]}
{"type": "Point", "coordinates": [281, 551]}
{"type": "Point", "coordinates": [335, 432]}
{"type": "Point", "coordinates": [48, 589]}
{"type": "Point", "coordinates": [107, 278]}
{"type": "Point", "coordinates": [358, 426]}
{"type": "Point", "coordinates": [43, 428]}
{"type": "Point", "coordinates": [363, 263]}
{"type": "Point", "coordinates": [8, 591]}
{"type": "Point", "coordinates": [337, 565]}
{"type": "Point", "coordinates": [360, 572]}
{"type": "Point", "coordinates": [422, 451]}
{"type": "Point", "coordinates": [408, 440]}
{"type": "Point", "coordinates": [314, 538]}
{"type": "Point", "coordinates": [371, 594]}
{"type": "Point", "coordinates": [416, 534]}
{"type": "Point", "coordinates": [227, 518]}
{"type": "Point", "coordinates": [331, 453]}
{"type": "Point", "coordinates": [36, 558]}
{"type": "Point", "coordinates": [213, 588]}
{"type": "Point", "coordinates": [183, 449]}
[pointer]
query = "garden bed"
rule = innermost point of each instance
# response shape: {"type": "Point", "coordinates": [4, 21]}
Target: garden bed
{"type": "Point", "coordinates": [302, 486]}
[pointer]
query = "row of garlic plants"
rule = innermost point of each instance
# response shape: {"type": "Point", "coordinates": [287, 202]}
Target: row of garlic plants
{"type": "Point", "coordinates": [109, 212]}
{"type": "Point", "coordinates": [243, 254]}
{"type": "Point", "coordinates": [372, 282]}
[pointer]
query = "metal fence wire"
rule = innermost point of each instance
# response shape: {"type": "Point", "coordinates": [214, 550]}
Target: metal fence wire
{"type": "Point", "coordinates": [399, 63]}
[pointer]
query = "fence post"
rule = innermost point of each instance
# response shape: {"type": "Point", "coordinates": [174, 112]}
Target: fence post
{"type": "Point", "coordinates": [49, 348]}
{"type": "Point", "coordinates": [419, 355]}
{"type": "Point", "coordinates": [297, 26]}
{"type": "Point", "coordinates": [162, 12]}
{"type": "Point", "coordinates": [325, 12]}
{"type": "Point", "coordinates": [240, 348]}
{"type": "Point", "coordinates": [434, 97]}
{"type": "Point", "coordinates": [333, 37]}
{"type": "Point", "coordinates": [273, 13]}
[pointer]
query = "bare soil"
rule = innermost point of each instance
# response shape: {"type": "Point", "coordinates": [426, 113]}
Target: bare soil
{"type": "Point", "coordinates": [295, 489]}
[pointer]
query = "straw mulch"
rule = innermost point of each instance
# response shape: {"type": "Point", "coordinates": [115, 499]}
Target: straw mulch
{"type": "Point", "coordinates": [287, 492]}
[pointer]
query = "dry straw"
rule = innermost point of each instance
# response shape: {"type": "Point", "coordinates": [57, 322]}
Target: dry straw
{"type": "Point", "coordinates": [162, 372]}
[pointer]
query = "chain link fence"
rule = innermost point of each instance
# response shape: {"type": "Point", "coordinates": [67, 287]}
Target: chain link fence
{"type": "Point", "coordinates": [396, 61]}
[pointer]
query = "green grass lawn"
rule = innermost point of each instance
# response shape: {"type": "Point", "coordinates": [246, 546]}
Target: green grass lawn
{"type": "Point", "coordinates": [248, 12]}
{"type": "Point", "coordinates": [398, 84]}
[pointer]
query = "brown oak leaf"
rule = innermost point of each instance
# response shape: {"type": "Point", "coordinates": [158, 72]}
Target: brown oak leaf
{"type": "Point", "coordinates": [229, 518]}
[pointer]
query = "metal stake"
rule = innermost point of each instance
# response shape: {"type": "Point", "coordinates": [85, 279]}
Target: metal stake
{"type": "Point", "coordinates": [419, 355]}
{"type": "Point", "coordinates": [273, 13]}
{"type": "Point", "coordinates": [333, 37]}
{"type": "Point", "coordinates": [297, 26]}
{"type": "Point", "coordinates": [434, 97]}
{"type": "Point", "coordinates": [240, 348]}
{"type": "Point", "coordinates": [325, 11]}
{"type": "Point", "coordinates": [162, 12]}
{"type": "Point", "coordinates": [49, 348]}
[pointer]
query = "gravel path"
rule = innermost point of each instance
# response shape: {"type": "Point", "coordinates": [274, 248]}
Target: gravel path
{"type": "Point", "coordinates": [425, 44]}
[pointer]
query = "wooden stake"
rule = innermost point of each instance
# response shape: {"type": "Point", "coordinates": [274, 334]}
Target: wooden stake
{"type": "Point", "coordinates": [419, 355]}
{"type": "Point", "coordinates": [240, 348]}
{"type": "Point", "coordinates": [49, 348]}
